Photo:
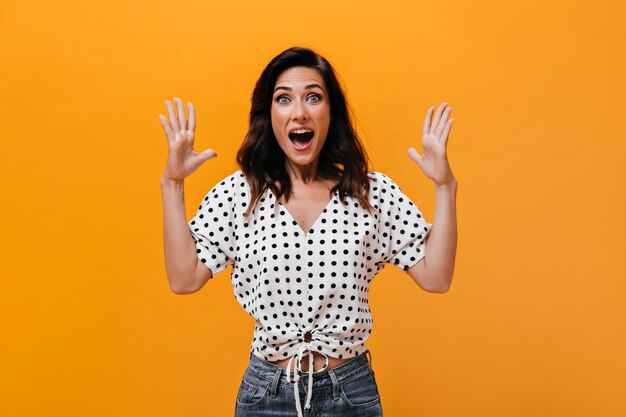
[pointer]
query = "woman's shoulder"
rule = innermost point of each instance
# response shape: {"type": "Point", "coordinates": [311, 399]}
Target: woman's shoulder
{"type": "Point", "coordinates": [378, 181]}
{"type": "Point", "coordinates": [385, 190]}
{"type": "Point", "coordinates": [235, 180]}
{"type": "Point", "coordinates": [229, 189]}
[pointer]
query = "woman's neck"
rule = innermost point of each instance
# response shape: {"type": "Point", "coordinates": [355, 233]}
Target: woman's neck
{"type": "Point", "coordinates": [302, 173]}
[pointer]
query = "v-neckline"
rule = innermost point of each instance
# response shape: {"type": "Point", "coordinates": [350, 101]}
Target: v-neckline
{"type": "Point", "coordinates": [317, 219]}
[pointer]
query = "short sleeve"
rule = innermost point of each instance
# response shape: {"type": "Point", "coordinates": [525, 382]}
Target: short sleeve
{"type": "Point", "coordinates": [403, 229]}
{"type": "Point", "coordinates": [212, 227]}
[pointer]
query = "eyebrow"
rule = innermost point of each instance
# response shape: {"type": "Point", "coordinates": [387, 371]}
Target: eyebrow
{"type": "Point", "coordinates": [307, 87]}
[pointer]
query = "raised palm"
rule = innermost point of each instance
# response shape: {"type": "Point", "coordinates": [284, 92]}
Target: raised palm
{"type": "Point", "coordinates": [434, 161]}
{"type": "Point", "coordinates": [182, 159]}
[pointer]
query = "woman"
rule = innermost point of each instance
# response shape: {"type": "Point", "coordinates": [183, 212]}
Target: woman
{"type": "Point", "coordinates": [306, 227]}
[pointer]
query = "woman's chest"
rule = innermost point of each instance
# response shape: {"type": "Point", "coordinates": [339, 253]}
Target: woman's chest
{"type": "Point", "coordinates": [306, 205]}
{"type": "Point", "coordinates": [341, 237]}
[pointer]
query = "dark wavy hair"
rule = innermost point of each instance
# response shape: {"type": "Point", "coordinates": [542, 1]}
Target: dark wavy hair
{"type": "Point", "coordinates": [342, 158]}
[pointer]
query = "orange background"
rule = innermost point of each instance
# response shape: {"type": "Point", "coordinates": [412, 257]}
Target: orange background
{"type": "Point", "coordinates": [535, 321]}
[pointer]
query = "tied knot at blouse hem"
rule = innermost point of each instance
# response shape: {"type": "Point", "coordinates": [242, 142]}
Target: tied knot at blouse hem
{"type": "Point", "coordinates": [316, 282]}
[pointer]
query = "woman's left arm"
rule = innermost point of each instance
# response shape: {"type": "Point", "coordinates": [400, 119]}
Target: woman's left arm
{"type": "Point", "coordinates": [434, 272]}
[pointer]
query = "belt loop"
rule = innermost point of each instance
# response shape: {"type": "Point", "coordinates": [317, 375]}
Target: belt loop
{"type": "Point", "coordinates": [368, 354]}
{"type": "Point", "coordinates": [333, 378]}
{"type": "Point", "coordinates": [274, 388]}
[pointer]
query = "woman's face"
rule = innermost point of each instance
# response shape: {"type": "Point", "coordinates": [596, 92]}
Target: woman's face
{"type": "Point", "coordinates": [300, 114]}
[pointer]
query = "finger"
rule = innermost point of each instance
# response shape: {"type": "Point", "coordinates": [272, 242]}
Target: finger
{"type": "Point", "coordinates": [172, 115]}
{"type": "Point", "coordinates": [208, 154]}
{"type": "Point", "coordinates": [412, 153]}
{"type": "Point", "coordinates": [169, 134]}
{"type": "Point", "coordinates": [192, 117]}
{"type": "Point", "coordinates": [446, 133]}
{"type": "Point", "coordinates": [190, 137]}
{"type": "Point", "coordinates": [442, 122]}
{"type": "Point", "coordinates": [182, 123]}
{"type": "Point", "coordinates": [429, 115]}
{"type": "Point", "coordinates": [433, 126]}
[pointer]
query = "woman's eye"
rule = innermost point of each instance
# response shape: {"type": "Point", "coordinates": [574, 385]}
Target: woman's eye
{"type": "Point", "coordinates": [313, 97]}
{"type": "Point", "coordinates": [282, 100]}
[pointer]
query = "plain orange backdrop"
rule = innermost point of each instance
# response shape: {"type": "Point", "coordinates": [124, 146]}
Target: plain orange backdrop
{"type": "Point", "coordinates": [535, 321]}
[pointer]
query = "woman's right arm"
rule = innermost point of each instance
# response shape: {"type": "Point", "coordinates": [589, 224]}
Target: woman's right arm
{"type": "Point", "coordinates": [184, 272]}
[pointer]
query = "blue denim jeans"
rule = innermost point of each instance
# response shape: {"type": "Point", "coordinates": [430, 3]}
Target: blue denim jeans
{"type": "Point", "coordinates": [347, 390]}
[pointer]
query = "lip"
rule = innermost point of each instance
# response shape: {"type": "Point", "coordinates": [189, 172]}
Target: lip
{"type": "Point", "coordinates": [302, 127]}
{"type": "Point", "coordinates": [308, 144]}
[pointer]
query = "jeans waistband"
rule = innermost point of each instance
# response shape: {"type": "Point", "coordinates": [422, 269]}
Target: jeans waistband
{"type": "Point", "coordinates": [343, 372]}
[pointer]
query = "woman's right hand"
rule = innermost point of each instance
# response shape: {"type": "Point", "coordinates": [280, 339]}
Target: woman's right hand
{"type": "Point", "coordinates": [182, 159]}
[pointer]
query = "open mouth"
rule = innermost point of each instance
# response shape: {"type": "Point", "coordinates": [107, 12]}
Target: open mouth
{"type": "Point", "coordinates": [301, 137]}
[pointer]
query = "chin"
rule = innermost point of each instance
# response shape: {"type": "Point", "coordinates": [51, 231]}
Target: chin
{"type": "Point", "coordinates": [300, 161]}
{"type": "Point", "coordinates": [300, 158]}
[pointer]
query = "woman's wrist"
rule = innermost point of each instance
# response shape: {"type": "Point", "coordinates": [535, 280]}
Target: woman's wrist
{"type": "Point", "coordinates": [449, 186]}
{"type": "Point", "coordinates": [170, 183]}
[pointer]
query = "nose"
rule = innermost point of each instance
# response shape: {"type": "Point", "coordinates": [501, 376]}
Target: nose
{"type": "Point", "coordinates": [299, 111]}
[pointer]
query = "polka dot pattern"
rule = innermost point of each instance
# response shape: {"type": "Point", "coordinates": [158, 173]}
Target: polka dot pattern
{"type": "Point", "coordinates": [294, 283]}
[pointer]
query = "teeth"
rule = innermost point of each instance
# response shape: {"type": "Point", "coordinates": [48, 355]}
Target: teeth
{"type": "Point", "coordinates": [301, 131]}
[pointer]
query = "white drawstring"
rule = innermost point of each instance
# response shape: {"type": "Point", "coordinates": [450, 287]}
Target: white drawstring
{"type": "Point", "coordinates": [297, 369]}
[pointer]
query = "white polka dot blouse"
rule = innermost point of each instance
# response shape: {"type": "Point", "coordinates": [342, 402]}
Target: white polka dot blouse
{"type": "Point", "coordinates": [294, 283]}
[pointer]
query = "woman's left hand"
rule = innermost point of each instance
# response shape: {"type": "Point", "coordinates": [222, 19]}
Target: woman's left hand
{"type": "Point", "coordinates": [434, 162]}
